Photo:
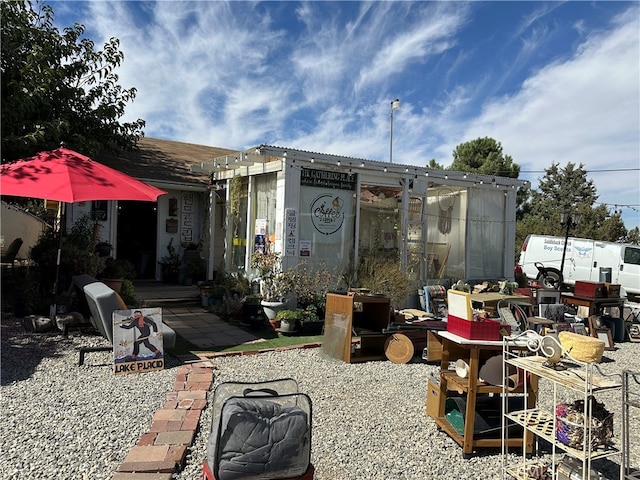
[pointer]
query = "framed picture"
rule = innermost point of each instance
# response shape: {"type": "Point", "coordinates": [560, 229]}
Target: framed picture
{"type": "Point", "coordinates": [595, 324]}
{"type": "Point", "coordinates": [547, 296]}
{"type": "Point", "coordinates": [579, 328]}
{"type": "Point", "coordinates": [604, 334]}
{"type": "Point", "coordinates": [552, 311]}
{"type": "Point", "coordinates": [634, 332]}
{"type": "Point", "coordinates": [564, 327]}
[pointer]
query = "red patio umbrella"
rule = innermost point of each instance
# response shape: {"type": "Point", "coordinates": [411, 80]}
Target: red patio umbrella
{"type": "Point", "coordinates": [69, 177]}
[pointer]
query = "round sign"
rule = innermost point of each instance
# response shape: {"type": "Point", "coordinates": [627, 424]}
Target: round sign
{"type": "Point", "coordinates": [327, 215]}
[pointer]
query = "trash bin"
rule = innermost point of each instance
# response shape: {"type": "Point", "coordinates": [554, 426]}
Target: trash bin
{"type": "Point", "coordinates": [605, 274]}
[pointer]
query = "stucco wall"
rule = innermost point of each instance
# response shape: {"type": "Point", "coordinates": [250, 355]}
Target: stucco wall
{"type": "Point", "coordinates": [16, 223]}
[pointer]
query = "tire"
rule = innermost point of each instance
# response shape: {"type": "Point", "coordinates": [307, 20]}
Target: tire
{"type": "Point", "coordinates": [551, 279]}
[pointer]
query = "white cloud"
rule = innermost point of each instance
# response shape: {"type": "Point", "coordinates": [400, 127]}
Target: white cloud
{"type": "Point", "coordinates": [584, 110]}
{"type": "Point", "coordinates": [237, 74]}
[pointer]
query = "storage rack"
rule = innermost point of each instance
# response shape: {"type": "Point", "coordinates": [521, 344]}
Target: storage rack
{"type": "Point", "coordinates": [630, 399]}
{"type": "Point", "coordinates": [583, 379]}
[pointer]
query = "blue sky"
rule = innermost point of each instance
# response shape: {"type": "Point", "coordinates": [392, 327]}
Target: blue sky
{"type": "Point", "coordinates": [552, 81]}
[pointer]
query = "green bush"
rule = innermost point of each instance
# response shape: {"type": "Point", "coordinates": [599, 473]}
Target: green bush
{"type": "Point", "coordinates": [118, 268]}
{"type": "Point", "coordinates": [385, 276]}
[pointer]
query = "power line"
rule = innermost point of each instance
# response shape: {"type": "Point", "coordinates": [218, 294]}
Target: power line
{"type": "Point", "coordinates": [603, 170]}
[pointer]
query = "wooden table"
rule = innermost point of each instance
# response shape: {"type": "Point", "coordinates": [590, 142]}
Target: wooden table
{"type": "Point", "coordinates": [595, 305]}
{"type": "Point", "coordinates": [489, 300]}
{"type": "Point", "coordinates": [454, 347]}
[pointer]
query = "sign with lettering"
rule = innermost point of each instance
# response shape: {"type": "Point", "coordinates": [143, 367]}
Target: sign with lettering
{"type": "Point", "coordinates": [328, 179]}
{"type": "Point", "coordinates": [137, 341]}
{"type": "Point", "coordinates": [290, 232]}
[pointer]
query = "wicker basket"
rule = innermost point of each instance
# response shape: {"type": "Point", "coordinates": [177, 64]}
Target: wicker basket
{"type": "Point", "coordinates": [570, 428]}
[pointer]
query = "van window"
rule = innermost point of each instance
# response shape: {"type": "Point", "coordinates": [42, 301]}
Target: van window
{"type": "Point", "coordinates": [632, 255]}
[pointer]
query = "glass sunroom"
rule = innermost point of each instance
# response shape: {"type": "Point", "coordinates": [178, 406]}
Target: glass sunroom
{"type": "Point", "coordinates": [334, 209]}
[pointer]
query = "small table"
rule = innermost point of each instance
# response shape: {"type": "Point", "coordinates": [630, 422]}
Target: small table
{"type": "Point", "coordinates": [595, 305]}
{"type": "Point", "coordinates": [538, 323]}
{"type": "Point", "coordinates": [471, 386]}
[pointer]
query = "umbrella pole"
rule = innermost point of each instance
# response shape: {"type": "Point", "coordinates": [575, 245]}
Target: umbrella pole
{"type": "Point", "coordinates": [53, 307]}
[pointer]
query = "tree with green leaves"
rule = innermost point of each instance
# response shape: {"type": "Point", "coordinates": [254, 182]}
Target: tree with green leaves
{"type": "Point", "coordinates": [568, 189]}
{"type": "Point", "coordinates": [57, 88]}
{"type": "Point", "coordinates": [484, 156]}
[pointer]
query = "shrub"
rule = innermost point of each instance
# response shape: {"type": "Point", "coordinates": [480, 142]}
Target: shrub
{"type": "Point", "coordinates": [385, 276]}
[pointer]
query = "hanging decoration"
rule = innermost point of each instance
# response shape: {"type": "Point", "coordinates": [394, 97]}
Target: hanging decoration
{"type": "Point", "coordinates": [446, 202]}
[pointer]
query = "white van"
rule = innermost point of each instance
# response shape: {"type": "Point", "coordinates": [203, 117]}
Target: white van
{"type": "Point", "coordinates": [585, 259]}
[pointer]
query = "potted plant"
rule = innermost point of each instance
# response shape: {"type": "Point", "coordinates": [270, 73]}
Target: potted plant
{"type": "Point", "coordinates": [310, 285]}
{"type": "Point", "coordinates": [311, 323]}
{"type": "Point", "coordinates": [116, 271]}
{"type": "Point", "coordinates": [290, 319]}
{"type": "Point", "coordinates": [170, 264]}
{"type": "Point", "coordinates": [194, 270]}
{"type": "Point", "coordinates": [275, 285]}
{"type": "Point", "coordinates": [103, 248]}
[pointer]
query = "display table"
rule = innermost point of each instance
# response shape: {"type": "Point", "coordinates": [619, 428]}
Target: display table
{"type": "Point", "coordinates": [595, 305]}
{"type": "Point", "coordinates": [473, 352]}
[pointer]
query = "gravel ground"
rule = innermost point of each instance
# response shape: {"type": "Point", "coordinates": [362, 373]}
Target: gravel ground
{"type": "Point", "coordinates": [61, 421]}
{"type": "Point", "coordinates": [369, 419]}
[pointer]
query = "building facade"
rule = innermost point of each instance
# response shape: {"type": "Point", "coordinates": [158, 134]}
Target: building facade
{"type": "Point", "coordinates": [316, 207]}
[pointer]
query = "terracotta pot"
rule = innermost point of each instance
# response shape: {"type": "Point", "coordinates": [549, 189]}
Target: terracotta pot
{"type": "Point", "coordinates": [275, 324]}
{"type": "Point", "coordinates": [114, 284]}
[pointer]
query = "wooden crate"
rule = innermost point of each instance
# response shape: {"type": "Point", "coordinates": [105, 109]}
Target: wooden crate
{"type": "Point", "coordinates": [612, 290]}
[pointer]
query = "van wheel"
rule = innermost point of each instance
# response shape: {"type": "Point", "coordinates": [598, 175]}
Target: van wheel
{"type": "Point", "coordinates": [550, 279]}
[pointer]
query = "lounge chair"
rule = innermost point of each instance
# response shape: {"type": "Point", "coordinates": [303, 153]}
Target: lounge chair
{"type": "Point", "coordinates": [103, 301]}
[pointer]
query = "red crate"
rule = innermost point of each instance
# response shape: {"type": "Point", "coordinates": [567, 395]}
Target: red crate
{"type": "Point", "coordinates": [589, 289]}
{"type": "Point", "coordinates": [208, 475]}
{"type": "Point", "coordinates": [483, 329]}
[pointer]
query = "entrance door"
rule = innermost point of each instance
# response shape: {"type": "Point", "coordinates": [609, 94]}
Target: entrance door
{"type": "Point", "coordinates": [137, 235]}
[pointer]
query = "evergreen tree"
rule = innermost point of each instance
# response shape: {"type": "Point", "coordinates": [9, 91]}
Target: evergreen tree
{"type": "Point", "coordinates": [568, 189]}
{"type": "Point", "coordinates": [484, 156]}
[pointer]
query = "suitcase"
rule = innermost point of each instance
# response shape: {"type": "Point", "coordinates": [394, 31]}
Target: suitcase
{"type": "Point", "coordinates": [259, 431]}
{"type": "Point", "coordinates": [589, 289]}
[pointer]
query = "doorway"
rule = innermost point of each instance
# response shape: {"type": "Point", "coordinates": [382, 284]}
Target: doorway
{"type": "Point", "coordinates": [137, 236]}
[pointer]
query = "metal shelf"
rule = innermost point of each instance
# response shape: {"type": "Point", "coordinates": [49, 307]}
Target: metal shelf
{"type": "Point", "coordinates": [583, 379]}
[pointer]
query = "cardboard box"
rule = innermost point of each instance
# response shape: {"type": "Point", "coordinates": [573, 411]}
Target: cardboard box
{"type": "Point", "coordinates": [589, 289]}
{"type": "Point", "coordinates": [483, 329]}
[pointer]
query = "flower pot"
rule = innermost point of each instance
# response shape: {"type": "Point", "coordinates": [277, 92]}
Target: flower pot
{"type": "Point", "coordinates": [114, 284]}
{"type": "Point", "coordinates": [103, 249]}
{"type": "Point", "coordinates": [288, 325]}
{"type": "Point", "coordinates": [271, 308]}
{"type": "Point", "coordinates": [275, 324]}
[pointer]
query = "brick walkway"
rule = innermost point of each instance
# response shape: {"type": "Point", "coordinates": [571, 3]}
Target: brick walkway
{"type": "Point", "coordinates": [162, 451]}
